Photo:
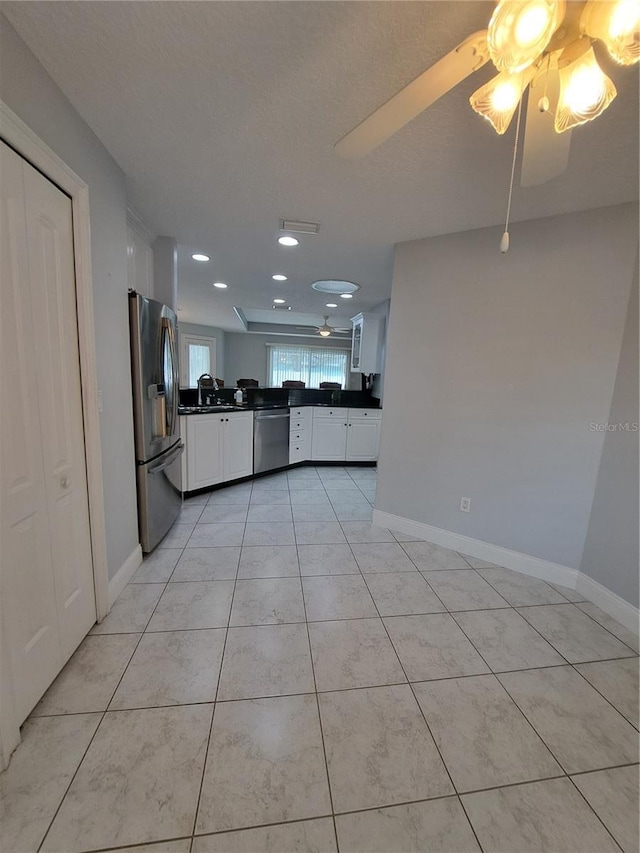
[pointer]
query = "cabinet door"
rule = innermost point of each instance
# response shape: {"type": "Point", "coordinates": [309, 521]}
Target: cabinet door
{"type": "Point", "coordinates": [356, 344]}
{"type": "Point", "coordinates": [204, 451]}
{"type": "Point", "coordinates": [238, 446]}
{"type": "Point", "coordinates": [329, 441]}
{"type": "Point", "coordinates": [363, 439]}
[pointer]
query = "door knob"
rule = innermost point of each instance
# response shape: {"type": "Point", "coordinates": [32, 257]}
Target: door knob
{"type": "Point", "coordinates": [65, 482]}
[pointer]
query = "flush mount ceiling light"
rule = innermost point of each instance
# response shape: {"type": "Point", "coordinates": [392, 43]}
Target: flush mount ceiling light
{"type": "Point", "coordinates": [288, 241]}
{"type": "Point", "coordinates": [332, 304]}
{"type": "Point", "coordinates": [279, 301]}
{"type": "Point", "coordinates": [220, 284]}
{"type": "Point", "coordinates": [537, 39]}
{"type": "Point", "coordinates": [335, 286]}
{"type": "Point", "coordinates": [200, 257]}
{"type": "Point", "coordinates": [278, 277]}
{"type": "Point", "coordinates": [346, 296]}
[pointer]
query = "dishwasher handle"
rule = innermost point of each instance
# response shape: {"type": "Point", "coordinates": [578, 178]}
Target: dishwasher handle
{"type": "Point", "coordinates": [260, 417]}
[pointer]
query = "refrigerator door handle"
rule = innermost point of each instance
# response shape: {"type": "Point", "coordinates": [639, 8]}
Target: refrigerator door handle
{"type": "Point", "coordinates": [171, 458]}
{"type": "Point", "coordinates": [172, 410]}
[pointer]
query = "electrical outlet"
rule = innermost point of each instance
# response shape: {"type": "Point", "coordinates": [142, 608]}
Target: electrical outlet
{"type": "Point", "coordinates": [99, 400]}
{"type": "Point", "coordinates": [465, 504]}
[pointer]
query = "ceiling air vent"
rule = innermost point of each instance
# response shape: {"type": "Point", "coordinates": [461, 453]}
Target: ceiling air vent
{"type": "Point", "coordinates": [281, 307]}
{"type": "Point", "coordinates": [296, 227]}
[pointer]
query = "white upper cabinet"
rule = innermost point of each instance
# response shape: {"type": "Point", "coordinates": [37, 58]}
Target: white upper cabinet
{"type": "Point", "coordinates": [139, 256]}
{"type": "Point", "coordinates": [366, 343]}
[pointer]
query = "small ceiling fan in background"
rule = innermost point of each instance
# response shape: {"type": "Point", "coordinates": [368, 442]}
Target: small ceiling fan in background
{"type": "Point", "coordinates": [543, 45]}
{"type": "Point", "coordinates": [325, 330]}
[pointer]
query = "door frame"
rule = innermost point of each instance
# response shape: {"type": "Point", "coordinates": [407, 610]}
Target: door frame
{"type": "Point", "coordinates": [26, 143]}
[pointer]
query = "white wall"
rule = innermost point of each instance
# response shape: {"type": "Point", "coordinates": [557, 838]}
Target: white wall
{"type": "Point", "coordinates": [208, 332]}
{"type": "Point", "coordinates": [29, 91]}
{"type": "Point", "coordinates": [246, 355]}
{"type": "Point", "coordinates": [611, 549]}
{"type": "Point", "coordinates": [496, 366]}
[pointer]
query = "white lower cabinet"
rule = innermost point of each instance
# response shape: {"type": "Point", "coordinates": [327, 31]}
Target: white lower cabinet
{"type": "Point", "coordinates": [329, 441]}
{"type": "Point", "coordinates": [219, 447]}
{"type": "Point", "coordinates": [345, 435]}
{"type": "Point", "coordinates": [363, 439]}
{"type": "Point", "coordinates": [237, 443]}
{"type": "Point", "coordinates": [300, 426]}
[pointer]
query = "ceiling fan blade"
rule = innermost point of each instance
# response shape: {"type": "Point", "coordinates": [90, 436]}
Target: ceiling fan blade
{"type": "Point", "coordinates": [546, 153]}
{"type": "Point", "coordinates": [409, 102]}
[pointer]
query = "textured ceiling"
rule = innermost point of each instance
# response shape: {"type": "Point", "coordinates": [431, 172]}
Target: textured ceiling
{"type": "Point", "coordinates": [224, 115]}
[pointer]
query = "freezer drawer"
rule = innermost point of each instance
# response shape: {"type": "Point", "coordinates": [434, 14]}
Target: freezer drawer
{"type": "Point", "coordinates": [159, 496]}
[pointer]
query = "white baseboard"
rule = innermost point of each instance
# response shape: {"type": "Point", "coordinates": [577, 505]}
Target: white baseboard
{"type": "Point", "coordinates": [619, 609]}
{"type": "Point", "coordinates": [623, 612]}
{"type": "Point", "coordinates": [124, 574]}
{"type": "Point", "coordinates": [524, 563]}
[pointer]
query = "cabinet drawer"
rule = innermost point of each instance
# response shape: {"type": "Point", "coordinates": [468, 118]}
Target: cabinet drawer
{"type": "Point", "coordinates": [370, 414]}
{"type": "Point", "coordinates": [329, 413]}
{"type": "Point", "coordinates": [297, 435]}
{"type": "Point", "coordinates": [296, 424]}
{"type": "Point", "coordinates": [298, 451]}
{"type": "Point", "coordinates": [301, 412]}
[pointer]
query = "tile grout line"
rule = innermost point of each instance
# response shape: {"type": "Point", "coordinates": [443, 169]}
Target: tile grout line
{"type": "Point", "coordinates": [215, 699]}
{"type": "Point", "coordinates": [103, 715]}
{"type": "Point", "coordinates": [420, 709]}
{"type": "Point", "coordinates": [315, 685]}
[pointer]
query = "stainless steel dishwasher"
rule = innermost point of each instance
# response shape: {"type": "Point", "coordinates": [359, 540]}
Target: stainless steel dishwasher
{"type": "Point", "coordinates": [270, 439]}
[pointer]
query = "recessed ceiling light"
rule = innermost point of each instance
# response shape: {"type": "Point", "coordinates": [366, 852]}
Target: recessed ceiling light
{"type": "Point", "coordinates": [199, 257]}
{"type": "Point", "coordinates": [346, 296]}
{"type": "Point", "coordinates": [333, 286]}
{"type": "Point", "coordinates": [288, 241]}
{"type": "Point", "coordinates": [278, 277]}
{"type": "Point", "coordinates": [220, 284]}
{"type": "Point", "coordinates": [279, 301]}
{"type": "Point", "coordinates": [331, 305]}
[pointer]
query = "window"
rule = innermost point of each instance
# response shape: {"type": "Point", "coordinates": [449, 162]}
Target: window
{"type": "Point", "coordinates": [311, 365]}
{"type": "Point", "coordinates": [197, 356]}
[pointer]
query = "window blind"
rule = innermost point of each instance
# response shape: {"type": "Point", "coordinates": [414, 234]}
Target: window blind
{"type": "Point", "coordinates": [311, 365]}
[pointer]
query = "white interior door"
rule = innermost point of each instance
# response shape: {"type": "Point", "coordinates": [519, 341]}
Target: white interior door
{"type": "Point", "coordinates": [47, 591]}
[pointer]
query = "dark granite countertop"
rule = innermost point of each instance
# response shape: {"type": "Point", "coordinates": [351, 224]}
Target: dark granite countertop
{"type": "Point", "coordinates": [259, 407]}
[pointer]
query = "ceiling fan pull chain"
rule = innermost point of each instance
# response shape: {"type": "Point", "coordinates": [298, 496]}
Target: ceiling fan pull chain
{"type": "Point", "coordinates": [504, 242]}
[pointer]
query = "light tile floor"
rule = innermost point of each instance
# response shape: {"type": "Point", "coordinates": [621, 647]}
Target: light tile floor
{"type": "Point", "coordinates": [280, 675]}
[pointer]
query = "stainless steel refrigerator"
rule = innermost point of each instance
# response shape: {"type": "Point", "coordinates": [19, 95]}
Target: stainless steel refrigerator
{"type": "Point", "coordinates": [154, 365]}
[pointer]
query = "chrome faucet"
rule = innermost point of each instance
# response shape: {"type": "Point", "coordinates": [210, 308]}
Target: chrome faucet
{"type": "Point", "coordinates": [208, 381]}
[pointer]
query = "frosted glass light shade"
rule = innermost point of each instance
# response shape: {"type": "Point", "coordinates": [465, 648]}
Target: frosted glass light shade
{"type": "Point", "coordinates": [520, 30]}
{"type": "Point", "coordinates": [617, 24]}
{"type": "Point", "coordinates": [585, 92]}
{"type": "Point", "coordinates": [498, 99]}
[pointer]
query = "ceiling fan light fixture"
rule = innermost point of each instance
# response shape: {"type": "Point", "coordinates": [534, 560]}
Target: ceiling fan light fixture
{"type": "Point", "coordinates": [520, 30]}
{"type": "Point", "coordinates": [325, 329]}
{"type": "Point", "coordinates": [585, 92]}
{"type": "Point", "coordinates": [498, 99]}
{"type": "Point", "coordinates": [617, 24]}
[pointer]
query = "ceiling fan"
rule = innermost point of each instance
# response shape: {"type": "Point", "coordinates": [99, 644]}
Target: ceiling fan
{"type": "Point", "coordinates": [543, 45]}
{"type": "Point", "coordinates": [325, 330]}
